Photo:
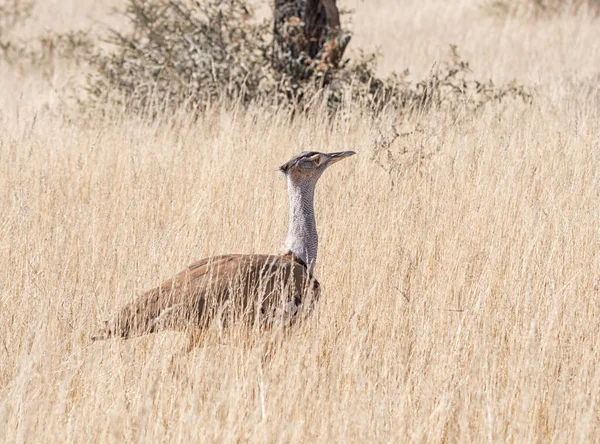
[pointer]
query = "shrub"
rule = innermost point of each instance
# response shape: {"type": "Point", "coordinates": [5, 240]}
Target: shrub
{"type": "Point", "coordinates": [450, 83]}
{"type": "Point", "coordinates": [191, 53]}
{"type": "Point", "coordinates": [12, 14]}
{"type": "Point", "coordinates": [40, 51]}
{"type": "Point", "coordinates": [541, 8]}
{"type": "Point", "coordinates": [178, 53]}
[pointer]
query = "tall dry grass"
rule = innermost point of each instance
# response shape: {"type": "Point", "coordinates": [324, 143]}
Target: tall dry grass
{"type": "Point", "coordinates": [459, 261]}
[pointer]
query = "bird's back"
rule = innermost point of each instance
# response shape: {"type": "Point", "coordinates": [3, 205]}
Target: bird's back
{"type": "Point", "coordinates": [253, 287]}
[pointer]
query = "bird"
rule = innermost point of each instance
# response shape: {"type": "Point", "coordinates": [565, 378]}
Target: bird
{"type": "Point", "coordinates": [256, 287]}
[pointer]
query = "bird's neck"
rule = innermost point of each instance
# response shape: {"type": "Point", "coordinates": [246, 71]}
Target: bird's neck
{"type": "Point", "coordinates": [302, 239]}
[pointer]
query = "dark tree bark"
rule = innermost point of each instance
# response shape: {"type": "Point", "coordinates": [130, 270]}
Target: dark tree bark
{"type": "Point", "coordinates": [309, 33]}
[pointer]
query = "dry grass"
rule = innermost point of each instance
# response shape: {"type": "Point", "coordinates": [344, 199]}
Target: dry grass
{"type": "Point", "coordinates": [460, 270]}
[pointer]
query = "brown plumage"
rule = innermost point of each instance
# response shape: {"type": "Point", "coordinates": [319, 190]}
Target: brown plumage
{"type": "Point", "coordinates": [234, 287]}
{"type": "Point", "coordinates": [239, 287]}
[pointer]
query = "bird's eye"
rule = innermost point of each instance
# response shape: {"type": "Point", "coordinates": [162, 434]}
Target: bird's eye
{"type": "Point", "coordinates": [306, 164]}
{"type": "Point", "coordinates": [311, 162]}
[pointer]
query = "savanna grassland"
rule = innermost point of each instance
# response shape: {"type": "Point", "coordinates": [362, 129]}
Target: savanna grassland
{"type": "Point", "coordinates": [459, 250]}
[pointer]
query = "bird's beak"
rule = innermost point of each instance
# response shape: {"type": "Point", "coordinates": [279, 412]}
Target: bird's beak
{"type": "Point", "coordinates": [336, 157]}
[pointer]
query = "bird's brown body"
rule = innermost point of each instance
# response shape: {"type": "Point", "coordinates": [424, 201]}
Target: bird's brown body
{"type": "Point", "coordinates": [264, 288]}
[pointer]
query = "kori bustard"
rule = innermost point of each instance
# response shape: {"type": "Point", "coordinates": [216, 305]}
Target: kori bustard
{"type": "Point", "coordinates": [252, 286]}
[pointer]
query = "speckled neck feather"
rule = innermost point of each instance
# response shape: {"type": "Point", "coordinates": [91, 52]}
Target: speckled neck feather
{"type": "Point", "coordinates": [302, 239]}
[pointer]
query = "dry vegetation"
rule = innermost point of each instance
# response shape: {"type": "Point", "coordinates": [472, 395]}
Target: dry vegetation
{"type": "Point", "coordinates": [459, 260]}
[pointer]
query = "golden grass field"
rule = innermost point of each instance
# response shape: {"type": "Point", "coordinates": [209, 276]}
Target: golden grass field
{"type": "Point", "coordinates": [460, 272]}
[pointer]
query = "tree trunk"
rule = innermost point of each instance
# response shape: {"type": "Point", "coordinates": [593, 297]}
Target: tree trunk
{"type": "Point", "coordinates": [308, 36]}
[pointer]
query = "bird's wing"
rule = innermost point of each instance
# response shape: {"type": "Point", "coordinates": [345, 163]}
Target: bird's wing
{"type": "Point", "coordinates": [236, 282]}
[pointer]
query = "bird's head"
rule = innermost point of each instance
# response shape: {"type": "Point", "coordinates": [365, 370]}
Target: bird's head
{"type": "Point", "coordinates": [309, 165]}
